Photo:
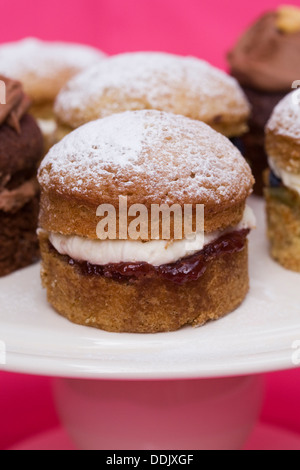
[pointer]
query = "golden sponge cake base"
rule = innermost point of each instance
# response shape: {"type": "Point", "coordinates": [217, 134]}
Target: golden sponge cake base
{"type": "Point", "coordinates": [283, 216]}
{"type": "Point", "coordinates": [146, 305]}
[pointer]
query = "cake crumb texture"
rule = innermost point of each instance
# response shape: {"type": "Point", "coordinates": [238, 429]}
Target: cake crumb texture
{"type": "Point", "coordinates": [283, 214]}
{"type": "Point", "coordinates": [147, 305]}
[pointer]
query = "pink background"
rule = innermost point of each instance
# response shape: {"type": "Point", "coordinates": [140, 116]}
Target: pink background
{"type": "Point", "coordinates": [203, 28]}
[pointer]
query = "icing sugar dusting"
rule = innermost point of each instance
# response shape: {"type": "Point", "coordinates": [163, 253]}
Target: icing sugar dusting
{"type": "Point", "coordinates": [147, 80]}
{"type": "Point", "coordinates": [148, 153]}
{"type": "Point", "coordinates": [44, 58]}
{"type": "Point", "coordinates": [285, 119]}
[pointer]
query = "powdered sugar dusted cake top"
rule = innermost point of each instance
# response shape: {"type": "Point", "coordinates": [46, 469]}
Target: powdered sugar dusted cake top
{"type": "Point", "coordinates": [134, 81]}
{"type": "Point", "coordinates": [150, 157]}
{"type": "Point", "coordinates": [285, 120]}
{"type": "Point", "coordinates": [44, 67]}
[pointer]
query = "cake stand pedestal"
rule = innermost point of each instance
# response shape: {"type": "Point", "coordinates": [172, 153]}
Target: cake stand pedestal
{"type": "Point", "coordinates": [216, 414]}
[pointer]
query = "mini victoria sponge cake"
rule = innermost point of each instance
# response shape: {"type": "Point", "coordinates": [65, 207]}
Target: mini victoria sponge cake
{"type": "Point", "coordinates": [44, 68]}
{"type": "Point", "coordinates": [148, 80]}
{"type": "Point", "coordinates": [21, 149]}
{"type": "Point", "coordinates": [144, 285]}
{"type": "Point", "coordinates": [265, 61]}
{"type": "Point", "coordinates": [283, 181]}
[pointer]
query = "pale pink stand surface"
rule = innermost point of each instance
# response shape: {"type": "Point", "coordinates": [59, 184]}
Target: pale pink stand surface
{"type": "Point", "coordinates": [264, 437]}
{"type": "Point", "coordinates": [196, 414]}
{"type": "Point", "coordinates": [159, 415]}
{"type": "Point", "coordinates": [29, 420]}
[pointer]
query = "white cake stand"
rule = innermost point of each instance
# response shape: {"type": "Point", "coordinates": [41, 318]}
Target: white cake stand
{"type": "Point", "coordinates": [192, 389]}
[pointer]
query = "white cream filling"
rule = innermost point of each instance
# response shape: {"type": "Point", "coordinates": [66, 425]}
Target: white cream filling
{"type": "Point", "coordinates": [156, 252]}
{"type": "Point", "coordinates": [47, 126]}
{"type": "Point", "coordinates": [290, 180]}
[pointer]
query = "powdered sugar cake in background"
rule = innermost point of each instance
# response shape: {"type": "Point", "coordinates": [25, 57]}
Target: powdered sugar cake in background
{"type": "Point", "coordinates": [30, 60]}
{"type": "Point", "coordinates": [150, 154]}
{"type": "Point", "coordinates": [285, 119]}
{"type": "Point", "coordinates": [43, 56]}
{"type": "Point", "coordinates": [147, 80]}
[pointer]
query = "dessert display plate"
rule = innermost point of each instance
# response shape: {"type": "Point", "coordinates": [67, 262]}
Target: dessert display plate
{"type": "Point", "coordinates": [262, 335]}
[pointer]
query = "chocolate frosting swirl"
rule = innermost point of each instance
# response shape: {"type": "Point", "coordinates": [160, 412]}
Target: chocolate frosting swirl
{"type": "Point", "coordinates": [17, 104]}
{"type": "Point", "coordinates": [267, 56]}
{"type": "Point", "coordinates": [14, 200]}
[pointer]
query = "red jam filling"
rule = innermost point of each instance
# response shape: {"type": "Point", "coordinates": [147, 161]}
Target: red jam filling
{"type": "Point", "coordinates": [185, 270]}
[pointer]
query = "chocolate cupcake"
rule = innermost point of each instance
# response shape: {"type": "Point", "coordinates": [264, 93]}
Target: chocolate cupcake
{"type": "Point", "coordinates": [44, 68]}
{"type": "Point", "coordinates": [147, 80]}
{"type": "Point", "coordinates": [283, 182]}
{"type": "Point", "coordinates": [266, 63]}
{"type": "Point", "coordinates": [145, 283]}
{"type": "Point", "coordinates": [21, 148]}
